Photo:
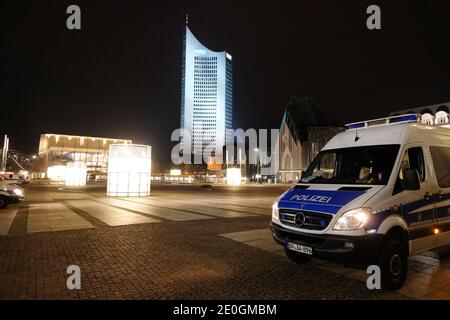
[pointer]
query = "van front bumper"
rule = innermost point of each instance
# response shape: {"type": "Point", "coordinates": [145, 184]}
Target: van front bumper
{"type": "Point", "coordinates": [344, 249]}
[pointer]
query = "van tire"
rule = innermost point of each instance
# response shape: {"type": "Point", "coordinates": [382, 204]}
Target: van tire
{"type": "Point", "coordinates": [393, 265]}
{"type": "Point", "coordinates": [3, 201]}
{"type": "Point", "coordinates": [297, 257]}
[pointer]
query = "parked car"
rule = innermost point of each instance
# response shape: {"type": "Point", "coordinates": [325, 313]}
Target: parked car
{"type": "Point", "coordinates": [9, 193]}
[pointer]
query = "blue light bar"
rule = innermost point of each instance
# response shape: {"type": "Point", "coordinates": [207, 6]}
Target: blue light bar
{"type": "Point", "coordinates": [356, 125]}
{"type": "Point", "coordinates": [403, 118]}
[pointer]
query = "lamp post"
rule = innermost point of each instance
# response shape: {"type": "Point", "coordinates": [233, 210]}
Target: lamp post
{"type": "Point", "coordinates": [257, 165]}
{"type": "Point", "coordinates": [4, 153]}
{"type": "Point", "coordinates": [240, 160]}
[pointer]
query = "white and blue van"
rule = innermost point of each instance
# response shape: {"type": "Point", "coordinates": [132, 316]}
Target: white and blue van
{"type": "Point", "coordinates": [375, 194]}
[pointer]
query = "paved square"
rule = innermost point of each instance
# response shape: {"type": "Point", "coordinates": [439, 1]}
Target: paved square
{"type": "Point", "coordinates": [53, 216]}
{"type": "Point", "coordinates": [109, 215]}
{"type": "Point", "coordinates": [6, 218]}
{"type": "Point", "coordinates": [142, 206]}
{"type": "Point", "coordinates": [207, 210]}
{"type": "Point", "coordinates": [428, 279]}
{"type": "Point", "coordinates": [179, 243]}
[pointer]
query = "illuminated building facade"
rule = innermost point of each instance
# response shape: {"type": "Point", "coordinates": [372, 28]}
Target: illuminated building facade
{"type": "Point", "coordinates": [206, 95]}
{"type": "Point", "coordinates": [17, 160]}
{"type": "Point", "coordinates": [58, 149]}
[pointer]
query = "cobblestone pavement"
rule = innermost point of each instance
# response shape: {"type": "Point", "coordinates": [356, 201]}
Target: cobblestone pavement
{"type": "Point", "coordinates": [176, 244]}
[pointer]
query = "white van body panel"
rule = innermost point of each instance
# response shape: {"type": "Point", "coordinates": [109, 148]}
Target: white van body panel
{"type": "Point", "coordinates": [391, 222]}
{"type": "Point", "coordinates": [393, 134]}
{"type": "Point", "coordinates": [381, 199]}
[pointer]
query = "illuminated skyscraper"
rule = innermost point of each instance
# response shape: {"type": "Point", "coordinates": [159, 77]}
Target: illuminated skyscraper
{"type": "Point", "coordinates": [206, 95]}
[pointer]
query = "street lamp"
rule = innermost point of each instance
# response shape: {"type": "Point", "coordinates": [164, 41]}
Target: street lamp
{"type": "Point", "coordinates": [257, 165]}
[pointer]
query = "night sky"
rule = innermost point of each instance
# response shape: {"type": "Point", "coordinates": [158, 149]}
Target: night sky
{"type": "Point", "coordinates": [119, 76]}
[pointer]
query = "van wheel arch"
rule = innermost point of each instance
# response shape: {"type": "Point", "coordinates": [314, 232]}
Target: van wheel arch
{"type": "Point", "coordinates": [399, 234]}
{"type": "Point", "coordinates": [392, 258]}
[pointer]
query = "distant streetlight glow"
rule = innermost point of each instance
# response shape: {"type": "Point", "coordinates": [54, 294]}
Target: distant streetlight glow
{"type": "Point", "coordinates": [129, 170]}
{"type": "Point", "coordinates": [234, 176]}
{"type": "Point", "coordinates": [175, 172]}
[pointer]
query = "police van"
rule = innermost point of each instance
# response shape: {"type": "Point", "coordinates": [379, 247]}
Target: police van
{"type": "Point", "coordinates": [375, 194]}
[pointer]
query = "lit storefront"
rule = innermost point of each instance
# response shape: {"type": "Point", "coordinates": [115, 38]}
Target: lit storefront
{"type": "Point", "coordinates": [59, 150]}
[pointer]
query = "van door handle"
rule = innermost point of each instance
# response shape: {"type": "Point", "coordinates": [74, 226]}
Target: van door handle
{"type": "Point", "coordinates": [427, 196]}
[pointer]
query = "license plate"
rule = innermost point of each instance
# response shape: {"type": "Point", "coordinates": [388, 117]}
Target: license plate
{"type": "Point", "coordinates": [299, 248]}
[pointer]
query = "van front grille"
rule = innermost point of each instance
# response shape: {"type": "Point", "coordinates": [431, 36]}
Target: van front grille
{"type": "Point", "coordinates": [311, 220]}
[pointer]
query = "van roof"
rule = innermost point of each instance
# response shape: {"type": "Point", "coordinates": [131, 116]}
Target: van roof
{"type": "Point", "coordinates": [401, 133]}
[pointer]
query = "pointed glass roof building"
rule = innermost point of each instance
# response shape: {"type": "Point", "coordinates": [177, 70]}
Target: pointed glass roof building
{"type": "Point", "coordinates": [206, 95]}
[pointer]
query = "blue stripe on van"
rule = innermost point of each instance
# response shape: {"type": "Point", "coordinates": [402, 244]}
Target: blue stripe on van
{"type": "Point", "coordinates": [410, 218]}
{"type": "Point", "coordinates": [324, 201]}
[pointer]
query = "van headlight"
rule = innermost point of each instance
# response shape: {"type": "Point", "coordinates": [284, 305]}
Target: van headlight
{"type": "Point", "coordinates": [18, 192]}
{"type": "Point", "coordinates": [275, 211]}
{"type": "Point", "coordinates": [353, 220]}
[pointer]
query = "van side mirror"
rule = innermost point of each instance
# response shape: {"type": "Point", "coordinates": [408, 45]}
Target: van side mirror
{"type": "Point", "coordinates": [411, 179]}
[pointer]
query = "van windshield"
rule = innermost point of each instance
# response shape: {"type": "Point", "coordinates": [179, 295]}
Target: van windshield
{"type": "Point", "coordinates": [358, 165]}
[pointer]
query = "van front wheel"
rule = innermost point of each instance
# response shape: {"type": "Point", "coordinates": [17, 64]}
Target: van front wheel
{"type": "Point", "coordinates": [297, 257]}
{"type": "Point", "coordinates": [393, 265]}
{"type": "Point", "coordinates": [3, 201]}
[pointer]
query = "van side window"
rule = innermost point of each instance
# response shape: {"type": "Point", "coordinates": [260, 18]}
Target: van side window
{"type": "Point", "coordinates": [441, 163]}
{"type": "Point", "coordinates": [412, 159]}
{"type": "Point", "coordinates": [416, 161]}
